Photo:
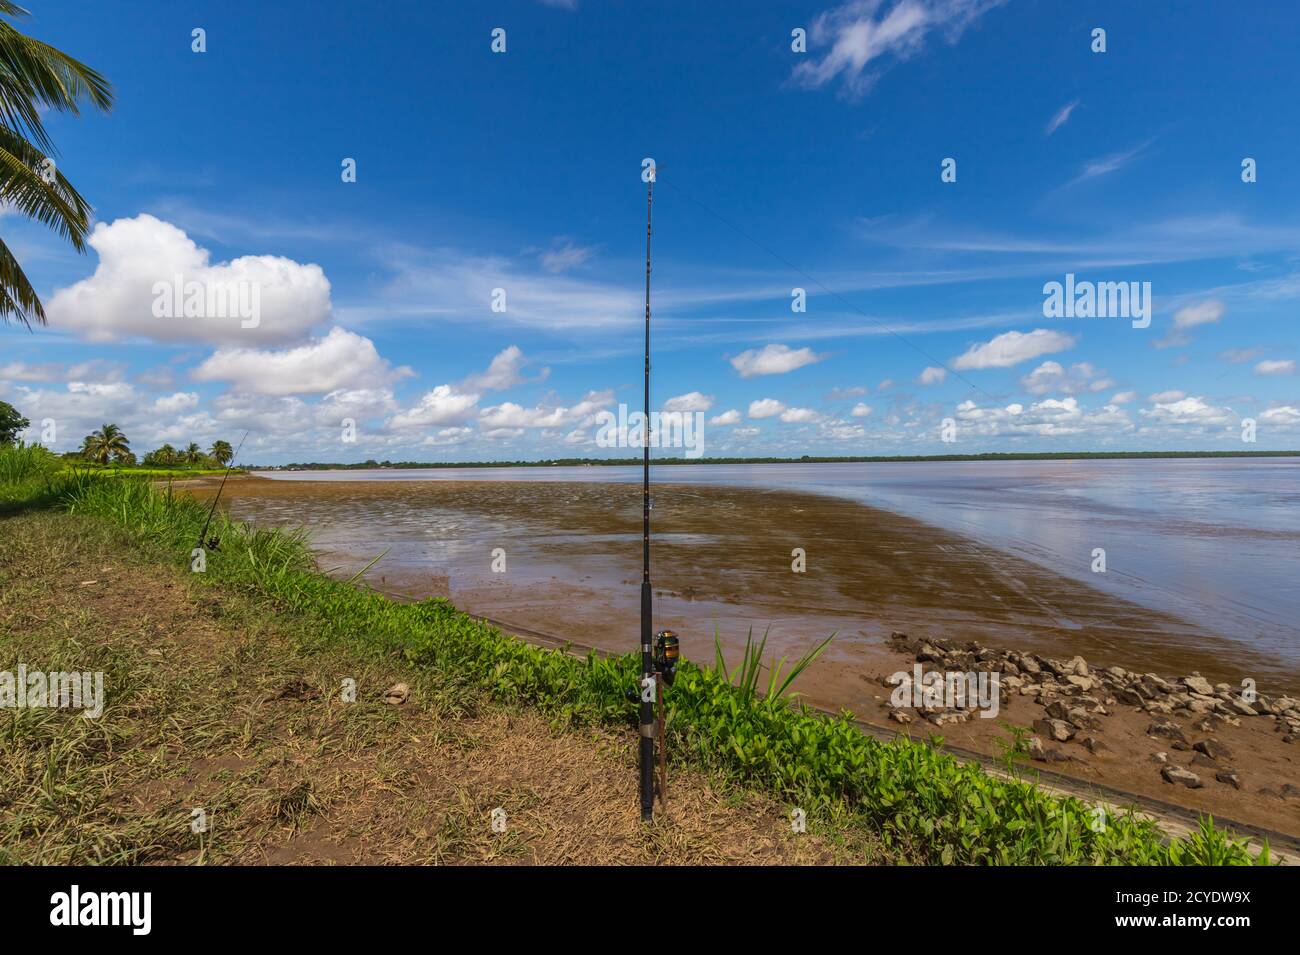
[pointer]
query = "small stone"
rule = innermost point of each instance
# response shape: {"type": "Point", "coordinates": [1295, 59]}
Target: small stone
{"type": "Point", "coordinates": [1094, 745]}
{"type": "Point", "coordinates": [1229, 777]}
{"type": "Point", "coordinates": [397, 694]}
{"type": "Point", "coordinates": [1176, 774]}
{"type": "Point", "coordinates": [898, 716]}
{"type": "Point", "coordinates": [1238, 706]}
{"type": "Point", "coordinates": [1212, 748]}
{"type": "Point", "coordinates": [1198, 684]}
{"type": "Point", "coordinates": [1166, 729]}
{"type": "Point", "coordinates": [1058, 730]}
{"type": "Point", "coordinates": [1160, 758]}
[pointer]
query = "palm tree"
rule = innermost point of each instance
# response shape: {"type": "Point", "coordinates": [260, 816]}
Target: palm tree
{"type": "Point", "coordinates": [107, 442]}
{"type": "Point", "coordinates": [221, 452]}
{"type": "Point", "coordinates": [192, 454]}
{"type": "Point", "coordinates": [33, 76]}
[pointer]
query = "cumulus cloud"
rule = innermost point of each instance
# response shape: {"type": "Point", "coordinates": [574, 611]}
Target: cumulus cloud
{"type": "Point", "coordinates": [511, 416]}
{"type": "Point", "coordinates": [1275, 367]}
{"type": "Point", "coordinates": [1051, 377]}
{"type": "Point", "coordinates": [932, 376]}
{"type": "Point", "coordinates": [692, 401]}
{"type": "Point", "coordinates": [765, 408]}
{"type": "Point", "coordinates": [442, 405]}
{"type": "Point", "coordinates": [1050, 417]}
{"type": "Point", "coordinates": [505, 371]}
{"type": "Point", "coordinates": [341, 359]}
{"type": "Point", "coordinates": [1164, 397]}
{"type": "Point", "coordinates": [773, 360]}
{"type": "Point", "coordinates": [1012, 348]}
{"type": "Point", "coordinates": [726, 418]}
{"type": "Point", "coordinates": [1188, 411]}
{"type": "Point", "coordinates": [1123, 397]}
{"type": "Point", "coordinates": [861, 410]}
{"type": "Point", "coordinates": [799, 415]}
{"type": "Point", "coordinates": [141, 259]}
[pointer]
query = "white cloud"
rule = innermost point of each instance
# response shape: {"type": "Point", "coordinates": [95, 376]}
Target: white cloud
{"type": "Point", "coordinates": [1164, 397]}
{"type": "Point", "coordinates": [1275, 367]}
{"type": "Point", "coordinates": [1051, 376]}
{"type": "Point", "coordinates": [504, 372]}
{"type": "Point", "coordinates": [1123, 397]}
{"type": "Point", "coordinates": [866, 37]}
{"type": "Point", "coordinates": [510, 416]}
{"type": "Point", "coordinates": [1050, 417]}
{"type": "Point", "coordinates": [726, 418]}
{"type": "Point", "coordinates": [176, 403]}
{"type": "Point", "coordinates": [861, 410]}
{"type": "Point", "coordinates": [1188, 411]}
{"type": "Point", "coordinates": [341, 359]}
{"type": "Point", "coordinates": [117, 301]}
{"type": "Point", "coordinates": [1011, 348]}
{"type": "Point", "coordinates": [799, 415]}
{"type": "Point", "coordinates": [1061, 118]}
{"type": "Point", "coordinates": [564, 256]}
{"type": "Point", "coordinates": [765, 408]}
{"type": "Point", "coordinates": [1203, 313]}
{"type": "Point", "coordinates": [1283, 416]}
{"type": "Point", "coordinates": [692, 401]}
{"type": "Point", "coordinates": [773, 360]}
{"type": "Point", "coordinates": [441, 406]}
{"type": "Point", "coordinates": [932, 376]}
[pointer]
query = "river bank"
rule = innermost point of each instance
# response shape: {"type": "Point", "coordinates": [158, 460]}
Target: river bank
{"type": "Point", "coordinates": [723, 559]}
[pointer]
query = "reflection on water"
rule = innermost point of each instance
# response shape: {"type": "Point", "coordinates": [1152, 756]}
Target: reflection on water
{"type": "Point", "coordinates": [1209, 540]}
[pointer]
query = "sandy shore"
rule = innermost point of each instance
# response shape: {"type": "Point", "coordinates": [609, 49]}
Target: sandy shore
{"type": "Point", "coordinates": [722, 561]}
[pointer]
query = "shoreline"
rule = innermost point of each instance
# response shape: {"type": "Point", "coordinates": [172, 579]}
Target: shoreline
{"type": "Point", "coordinates": [716, 546]}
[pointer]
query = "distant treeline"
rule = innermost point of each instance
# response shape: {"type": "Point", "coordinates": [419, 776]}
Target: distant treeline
{"type": "Point", "coordinates": [805, 459]}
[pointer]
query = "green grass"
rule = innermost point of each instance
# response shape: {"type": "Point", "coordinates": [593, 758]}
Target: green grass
{"type": "Point", "coordinates": [920, 800]}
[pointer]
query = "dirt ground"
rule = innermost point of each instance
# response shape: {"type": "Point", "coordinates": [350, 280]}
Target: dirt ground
{"type": "Point", "coordinates": [215, 705]}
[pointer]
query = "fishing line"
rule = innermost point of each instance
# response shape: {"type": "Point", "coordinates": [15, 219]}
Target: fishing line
{"type": "Point", "coordinates": [233, 458]}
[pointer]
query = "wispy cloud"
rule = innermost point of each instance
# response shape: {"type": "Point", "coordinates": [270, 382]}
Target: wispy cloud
{"type": "Point", "coordinates": [1061, 118]}
{"type": "Point", "coordinates": [1105, 165]}
{"type": "Point", "coordinates": [867, 37]}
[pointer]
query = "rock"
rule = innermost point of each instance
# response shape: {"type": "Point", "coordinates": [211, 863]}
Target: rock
{"type": "Point", "coordinates": [1166, 729]}
{"type": "Point", "coordinates": [1129, 697]}
{"type": "Point", "coordinates": [1200, 759]}
{"type": "Point", "coordinates": [1212, 748]}
{"type": "Point", "coordinates": [1035, 749]}
{"type": "Point", "coordinates": [1084, 683]}
{"type": "Point", "coordinates": [1229, 777]}
{"type": "Point", "coordinates": [397, 694]}
{"type": "Point", "coordinates": [898, 716]}
{"type": "Point", "coordinates": [1058, 710]}
{"type": "Point", "coordinates": [1160, 758]}
{"type": "Point", "coordinates": [928, 653]}
{"type": "Point", "coordinates": [1198, 684]}
{"type": "Point", "coordinates": [1094, 745]}
{"type": "Point", "coordinates": [1029, 664]}
{"type": "Point", "coordinates": [1078, 666]}
{"type": "Point", "coordinates": [1176, 774]}
{"type": "Point", "coordinates": [1290, 791]}
{"type": "Point", "coordinates": [1239, 706]}
{"type": "Point", "coordinates": [1180, 745]}
{"type": "Point", "coordinates": [1058, 730]}
{"type": "Point", "coordinates": [1118, 673]}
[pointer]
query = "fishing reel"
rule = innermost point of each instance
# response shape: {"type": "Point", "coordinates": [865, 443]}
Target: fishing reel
{"type": "Point", "coordinates": [668, 653]}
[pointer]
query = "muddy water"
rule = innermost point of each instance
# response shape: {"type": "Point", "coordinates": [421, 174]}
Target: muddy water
{"type": "Point", "coordinates": [722, 563]}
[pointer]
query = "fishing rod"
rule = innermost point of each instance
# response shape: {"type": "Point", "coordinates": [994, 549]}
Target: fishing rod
{"type": "Point", "coordinates": [649, 683]}
{"type": "Point", "coordinates": [203, 534]}
{"type": "Point", "coordinates": [659, 652]}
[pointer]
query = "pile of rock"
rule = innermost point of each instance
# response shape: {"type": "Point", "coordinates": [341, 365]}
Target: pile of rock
{"type": "Point", "coordinates": [1075, 697]}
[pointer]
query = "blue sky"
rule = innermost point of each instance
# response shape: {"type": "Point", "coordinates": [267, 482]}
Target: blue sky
{"type": "Point", "coordinates": [818, 170]}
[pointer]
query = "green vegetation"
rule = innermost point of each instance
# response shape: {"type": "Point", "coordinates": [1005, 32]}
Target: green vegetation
{"type": "Point", "coordinates": [922, 802]}
{"type": "Point", "coordinates": [34, 78]}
